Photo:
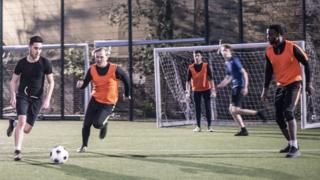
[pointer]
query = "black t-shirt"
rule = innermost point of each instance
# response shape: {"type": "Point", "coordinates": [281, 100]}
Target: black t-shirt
{"type": "Point", "coordinates": [32, 76]}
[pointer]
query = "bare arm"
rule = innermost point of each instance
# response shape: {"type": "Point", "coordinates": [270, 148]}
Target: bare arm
{"type": "Point", "coordinates": [227, 79]}
{"type": "Point", "coordinates": [13, 87]}
{"type": "Point", "coordinates": [47, 99]}
{"type": "Point", "coordinates": [267, 79]}
{"type": "Point", "coordinates": [213, 89]}
{"type": "Point", "coordinates": [188, 87]}
{"type": "Point", "coordinates": [246, 81]}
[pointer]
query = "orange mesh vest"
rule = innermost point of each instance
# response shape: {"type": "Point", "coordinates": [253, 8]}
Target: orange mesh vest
{"type": "Point", "coordinates": [286, 67]}
{"type": "Point", "coordinates": [199, 80]}
{"type": "Point", "coordinates": [105, 88]}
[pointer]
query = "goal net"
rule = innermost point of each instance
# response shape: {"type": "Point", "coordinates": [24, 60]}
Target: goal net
{"type": "Point", "coordinates": [171, 65]}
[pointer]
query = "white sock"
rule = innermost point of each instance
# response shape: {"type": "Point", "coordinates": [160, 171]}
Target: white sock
{"type": "Point", "coordinates": [18, 147]}
{"type": "Point", "coordinates": [294, 143]}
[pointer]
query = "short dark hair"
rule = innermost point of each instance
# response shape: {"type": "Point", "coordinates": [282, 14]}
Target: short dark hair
{"type": "Point", "coordinates": [198, 51]}
{"type": "Point", "coordinates": [277, 28]}
{"type": "Point", "coordinates": [35, 39]}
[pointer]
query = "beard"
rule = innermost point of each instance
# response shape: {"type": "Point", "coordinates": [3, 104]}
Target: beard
{"type": "Point", "coordinates": [274, 41]}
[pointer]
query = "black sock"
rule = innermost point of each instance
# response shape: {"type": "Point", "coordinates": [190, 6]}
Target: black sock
{"type": "Point", "coordinates": [85, 135]}
{"type": "Point", "coordinates": [243, 129]}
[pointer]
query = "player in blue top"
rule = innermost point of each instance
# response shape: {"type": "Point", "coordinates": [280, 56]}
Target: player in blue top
{"type": "Point", "coordinates": [236, 74]}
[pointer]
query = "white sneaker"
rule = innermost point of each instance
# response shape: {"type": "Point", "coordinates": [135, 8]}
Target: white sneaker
{"type": "Point", "coordinates": [82, 149]}
{"type": "Point", "coordinates": [210, 129]}
{"type": "Point", "coordinates": [197, 129]}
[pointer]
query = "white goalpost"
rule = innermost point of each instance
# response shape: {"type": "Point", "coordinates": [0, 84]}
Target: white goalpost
{"type": "Point", "coordinates": [172, 107]}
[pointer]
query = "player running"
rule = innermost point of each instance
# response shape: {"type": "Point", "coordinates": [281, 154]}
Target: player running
{"type": "Point", "coordinates": [104, 77]}
{"type": "Point", "coordinates": [239, 78]}
{"type": "Point", "coordinates": [31, 71]}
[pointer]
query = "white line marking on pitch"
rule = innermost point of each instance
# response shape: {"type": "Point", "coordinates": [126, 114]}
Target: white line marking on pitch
{"type": "Point", "coordinates": [176, 150]}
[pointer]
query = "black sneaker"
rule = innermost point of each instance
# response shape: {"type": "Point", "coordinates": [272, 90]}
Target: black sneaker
{"type": "Point", "coordinates": [262, 116]}
{"type": "Point", "coordinates": [17, 155]}
{"type": "Point", "coordinates": [242, 133]}
{"type": "Point", "coordinates": [293, 152]}
{"type": "Point", "coordinates": [285, 150]}
{"type": "Point", "coordinates": [10, 128]}
{"type": "Point", "coordinates": [103, 131]}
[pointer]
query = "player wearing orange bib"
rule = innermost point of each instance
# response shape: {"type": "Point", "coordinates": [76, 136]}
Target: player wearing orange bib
{"type": "Point", "coordinates": [201, 82]}
{"type": "Point", "coordinates": [104, 77]}
{"type": "Point", "coordinates": [283, 59]}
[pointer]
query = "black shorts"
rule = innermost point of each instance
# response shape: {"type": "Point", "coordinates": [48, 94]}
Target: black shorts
{"type": "Point", "coordinates": [286, 99]}
{"type": "Point", "coordinates": [236, 96]}
{"type": "Point", "coordinates": [28, 106]}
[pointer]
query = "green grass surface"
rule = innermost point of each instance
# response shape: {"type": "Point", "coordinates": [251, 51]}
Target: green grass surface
{"type": "Point", "coordinates": [138, 150]}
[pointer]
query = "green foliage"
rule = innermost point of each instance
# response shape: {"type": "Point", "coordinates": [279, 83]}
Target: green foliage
{"type": "Point", "coordinates": [160, 20]}
{"type": "Point", "coordinates": [74, 59]}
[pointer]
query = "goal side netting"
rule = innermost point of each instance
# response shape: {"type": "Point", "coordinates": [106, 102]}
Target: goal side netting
{"type": "Point", "coordinates": [172, 106]}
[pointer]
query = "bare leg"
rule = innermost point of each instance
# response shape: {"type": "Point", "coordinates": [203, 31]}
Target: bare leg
{"type": "Point", "coordinates": [236, 116]}
{"type": "Point", "coordinates": [18, 138]}
{"type": "Point", "coordinates": [247, 111]}
{"type": "Point", "coordinates": [285, 133]}
{"type": "Point", "coordinates": [292, 126]}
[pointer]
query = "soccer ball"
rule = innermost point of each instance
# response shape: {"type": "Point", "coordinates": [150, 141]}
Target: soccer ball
{"type": "Point", "coordinates": [59, 155]}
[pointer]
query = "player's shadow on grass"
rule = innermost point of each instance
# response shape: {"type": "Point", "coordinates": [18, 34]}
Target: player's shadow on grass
{"type": "Point", "coordinates": [82, 172]}
{"type": "Point", "coordinates": [218, 168]}
{"type": "Point", "coordinates": [300, 136]}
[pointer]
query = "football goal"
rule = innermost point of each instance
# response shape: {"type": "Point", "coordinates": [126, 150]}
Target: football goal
{"type": "Point", "coordinates": [173, 108]}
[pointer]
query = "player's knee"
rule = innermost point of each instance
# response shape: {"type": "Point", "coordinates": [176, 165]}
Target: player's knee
{"type": "Point", "coordinates": [234, 110]}
{"type": "Point", "coordinates": [289, 115]}
{"type": "Point", "coordinates": [26, 130]}
{"type": "Point", "coordinates": [231, 109]}
{"type": "Point", "coordinates": [21, 124]}
{"type": "Point", "coordinates": [97, 125]}
{"type": "Point", "coordinates": [281, 123]}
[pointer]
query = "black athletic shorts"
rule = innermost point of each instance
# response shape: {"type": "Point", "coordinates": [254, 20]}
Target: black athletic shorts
{"type": "Point", "coordinates": [97, 114]}
{"type": "Point", "coordinates": [29, 106]}
{"type": "Point", "coordinates": [236, 96]}
{"type": "Point", "coordinates": [286, 99]}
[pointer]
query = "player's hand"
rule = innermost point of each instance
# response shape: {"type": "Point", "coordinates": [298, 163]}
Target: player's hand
{"type": "Point", "coordinates": [310, 89]}
{"type": "Point", "coordinates": [46, 104]}
{"type": "Point", "coordinates": [126, 98]}
{"type": "Point", "coordinates": [13, 101]}
{"type": "Point", "coordinates": [220, 85]}
{"type": "Point", "coordinates": [213, 93]}
{"type": "Point", "coordinates": [219, 48]}
{"type": "Point", "coordinates": [244, 91]}
{"type": "Point", "coordinates": [264, 95]}
{"type": "Point", "coordinates": [79, 83]}
{"type": "Point", "coordinates": [187, 94]}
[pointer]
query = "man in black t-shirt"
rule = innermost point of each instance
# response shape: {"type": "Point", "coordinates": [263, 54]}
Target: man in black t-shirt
{"type": "Point", "coordinates": [30, 73]}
